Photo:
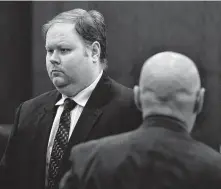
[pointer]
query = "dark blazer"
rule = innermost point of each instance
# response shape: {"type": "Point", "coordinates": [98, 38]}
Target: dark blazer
{"type": "Point", "coordinates": [158, 155]}
{"type": "Point", "coordinates": [110, 110]}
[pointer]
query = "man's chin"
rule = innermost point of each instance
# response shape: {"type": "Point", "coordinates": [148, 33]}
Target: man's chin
{"type": "Point", "coordinates": [59, 82]}
{"type": "Point", "coordinates": [65, 88]}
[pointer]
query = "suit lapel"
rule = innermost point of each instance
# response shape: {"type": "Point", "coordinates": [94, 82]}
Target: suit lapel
{"type": "Point", "coordinates": [45, 120]}
{"type": "Point", "coordinates": [45, 115]}
{"type": "Point", "coordinates": [87, 121]}
{"type": "Point", "coordinates": [92, 111]}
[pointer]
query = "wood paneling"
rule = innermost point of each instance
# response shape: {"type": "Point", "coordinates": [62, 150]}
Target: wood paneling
{"type": "Point", "coordinates": [15, 56]}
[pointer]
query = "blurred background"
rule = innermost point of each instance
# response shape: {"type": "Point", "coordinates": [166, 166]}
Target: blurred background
{"type": "Point", "coordinates": [135, 31]}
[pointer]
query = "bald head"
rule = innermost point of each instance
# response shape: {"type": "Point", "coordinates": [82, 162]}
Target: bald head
{"type": "Point", "coordinates": [168, 72]}
{"type": "Point", "coordinates": [169, 85]}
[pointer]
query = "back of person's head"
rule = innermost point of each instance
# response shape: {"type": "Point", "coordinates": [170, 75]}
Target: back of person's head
{"type": "Point", "coordinates": [89, 25]}
{"type": "Point", "coordinates": [170, 85]}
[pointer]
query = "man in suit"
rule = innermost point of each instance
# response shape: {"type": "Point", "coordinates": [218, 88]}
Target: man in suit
{"type": "Point", "coordinates": [160, 154]}
{"type": "Point", "coordinates": [87, 104]}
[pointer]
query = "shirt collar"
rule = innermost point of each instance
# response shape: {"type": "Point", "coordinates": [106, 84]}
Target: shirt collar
{"type": "Point", "coordinates": [82, 97]}
{"type": "Point", "coordinates": [168, 122]}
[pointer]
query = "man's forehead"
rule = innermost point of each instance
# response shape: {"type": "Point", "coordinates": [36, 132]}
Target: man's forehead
{"type": "Point", "coordinates": [61, 33]}
{"type": "Point", "coordinates": [57, 40]}
{"type": "Point", "coordinates": [60, 29]}
{"type": "Point", "coordinates": [62, 26]}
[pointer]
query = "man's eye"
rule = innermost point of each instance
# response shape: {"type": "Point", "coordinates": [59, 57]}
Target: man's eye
{"type": "Point", "coordinates": [50, 51]}
{"type": "Point", "coordinates": [65, 50]}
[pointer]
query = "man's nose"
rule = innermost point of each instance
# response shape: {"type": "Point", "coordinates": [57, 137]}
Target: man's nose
{"type": "Point", "coordinates": [55, 59]}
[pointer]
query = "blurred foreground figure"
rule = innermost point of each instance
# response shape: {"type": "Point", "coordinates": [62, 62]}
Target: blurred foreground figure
{"type": "Point", "coordinates": [86, 104]}
{"type": "Point", "coordinates": [160, 154]}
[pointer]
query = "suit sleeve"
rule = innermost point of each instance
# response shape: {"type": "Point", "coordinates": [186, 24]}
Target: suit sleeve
{"type": "Point", "coordinates": [69, 181]}
{"type": "Point", "coordinates": [7, 174]}
{"type": "Point", "coordinates": [82, 158]}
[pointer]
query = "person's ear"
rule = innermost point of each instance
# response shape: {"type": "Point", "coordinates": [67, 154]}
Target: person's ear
{"type": "Point", "coordinates": [95, 51]}
{"type": "Point", "coordinates": [136, 90]}
{"type": "Point", "coordinates": [199, 101]}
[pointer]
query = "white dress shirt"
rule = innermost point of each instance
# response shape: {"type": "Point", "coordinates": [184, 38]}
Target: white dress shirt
{"type": "Point", "coordinates": [81, 99]}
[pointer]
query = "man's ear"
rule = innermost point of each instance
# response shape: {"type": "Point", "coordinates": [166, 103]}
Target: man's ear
{"type": "Point", "coordinates": [136, 90]}
{"type": "Point", "coordinates": [95, 51]}
{"type": "Point", "coordinates": [199, 101]}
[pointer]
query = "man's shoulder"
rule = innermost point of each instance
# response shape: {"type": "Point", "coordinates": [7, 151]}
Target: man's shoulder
{"type": "Point", "coordinates": [120, 88]}
{"type": "Point", "coordinates": [205, 162]}
{"type": "Point", "coordinates": [207, 154]}
{"type": "Point", "coordinates": [108, 143]}
{"type": "Point", "coordinates": [192, 154]}
{"type": "Point", "coordinates": [102, 154]}
{"type": "Point", "coordinates": [121, 94]}
{"type": "Point", "coordinates": [31, 106]}
{"type": "Point", "coordinates": [43, 98]}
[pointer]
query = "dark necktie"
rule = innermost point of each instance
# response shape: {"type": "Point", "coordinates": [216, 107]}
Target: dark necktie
{"type": "Point", "coordinates": [60, 143]}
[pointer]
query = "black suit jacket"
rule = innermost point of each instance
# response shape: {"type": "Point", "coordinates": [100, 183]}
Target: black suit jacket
{"type": "Point", "coordinates": [158, 155]}
{"type": "Point", "coordinates": [110, 110]}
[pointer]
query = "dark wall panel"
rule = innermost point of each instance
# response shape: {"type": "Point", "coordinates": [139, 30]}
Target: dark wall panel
{"type": "Point", "coordinates": [137, 30]}
{"type": "Point", "coordinates": [15, 56]}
